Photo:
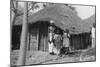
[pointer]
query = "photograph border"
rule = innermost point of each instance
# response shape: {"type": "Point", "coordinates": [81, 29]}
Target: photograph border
{"type": "Point", "coordinates": [53, 3]}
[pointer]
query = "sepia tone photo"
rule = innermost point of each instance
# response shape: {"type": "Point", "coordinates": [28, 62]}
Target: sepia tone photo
{"type": "Point", "coordinates": [51, 33]}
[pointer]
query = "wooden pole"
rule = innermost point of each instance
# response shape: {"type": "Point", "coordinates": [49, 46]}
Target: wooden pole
{"type": "Point", "coordinates": [93, 37]}
{"type": "Point", "coordinates": [23, 41]}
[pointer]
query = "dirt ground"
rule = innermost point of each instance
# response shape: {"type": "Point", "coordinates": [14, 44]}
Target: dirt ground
{"type": "Point", "coordinates": [39, 57]}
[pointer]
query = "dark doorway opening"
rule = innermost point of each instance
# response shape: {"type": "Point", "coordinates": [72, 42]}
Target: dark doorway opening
{"type": "Point", "coordinates": [43, 35]}
{"type": "Point", "coordinates": [80, 41]}
{"type": "Point", "coordinates": [15, 37]}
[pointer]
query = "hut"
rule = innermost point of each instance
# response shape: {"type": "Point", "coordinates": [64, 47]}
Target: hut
{"type": "Point", "coordinates": [38, 23]}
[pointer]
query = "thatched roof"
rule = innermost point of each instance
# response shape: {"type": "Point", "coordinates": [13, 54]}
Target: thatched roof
{"type": "Point", "coordinates": [87, 23]}
{"type": "Point", "coordinates": [63, 16]}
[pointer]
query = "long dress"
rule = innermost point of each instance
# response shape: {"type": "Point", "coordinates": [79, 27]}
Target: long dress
{"type": "Point", "coordinates": [66, 42]}
{"type": "Point", "coordinates": [65, 48]}
{"type": "Point", "coordinates": [50, 43]}
{"type": "Point", "coordinates": [57, 43]}
{"type": "Point", "coordinates": [51, 47]}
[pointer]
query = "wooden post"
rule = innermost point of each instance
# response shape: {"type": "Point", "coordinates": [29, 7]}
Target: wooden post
{"type": "Point", "coordinates": [93, 37]}
{"type": "Point", "coordinates": [29, 42]}
{"type": "Point", "coordinates": [38, 38]}
{"type": "Point", "coordinates": [23, 42]}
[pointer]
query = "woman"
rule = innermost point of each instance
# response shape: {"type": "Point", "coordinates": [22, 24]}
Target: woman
{"type": "Point", "coordinates": [57, 44]}
{"type": "Point", "coordinates": [65, 48]}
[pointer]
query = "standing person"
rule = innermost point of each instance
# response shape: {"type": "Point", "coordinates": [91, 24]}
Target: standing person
{"type": "Point", "coordinates": [50, 41]}
{"type": "Point", "coordinates": [57, 43]}
{"type": "Point", "coordinates": [65, 48]}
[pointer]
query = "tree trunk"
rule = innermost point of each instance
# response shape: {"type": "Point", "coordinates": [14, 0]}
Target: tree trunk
{"type": "Point", "coordinates": [23, 42]}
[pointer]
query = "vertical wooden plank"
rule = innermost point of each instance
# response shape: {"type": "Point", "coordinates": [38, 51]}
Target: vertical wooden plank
{"type": "Point", "coordinates": [93, 37]}
{"type": "Point", "coordinates": [46, 39]}
{"type": "Point", "coordinates": [29, 43]}
{"type": "Point", "coordinates": [44, 43]}
{"type": "Point", "coordinates": [37, 38]}
{"type": "Point", "coordinates": [38, 33]}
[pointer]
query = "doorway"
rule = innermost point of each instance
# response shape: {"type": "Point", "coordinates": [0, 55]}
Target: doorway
{"type": "Point", "coordinates": [43, 35]}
